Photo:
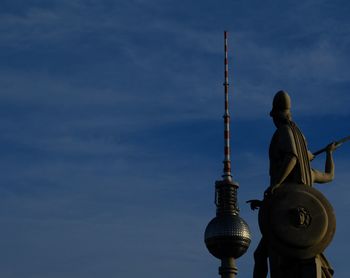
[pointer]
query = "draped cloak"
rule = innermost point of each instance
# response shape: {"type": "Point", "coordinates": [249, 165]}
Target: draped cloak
{"type": "Point", "coordinates": [288, 140]}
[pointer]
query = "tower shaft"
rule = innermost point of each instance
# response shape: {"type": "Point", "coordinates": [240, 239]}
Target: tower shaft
{"type": "Point", "coordinates": [228, 268]}
{"type": "Point", "coordinates": [227, 235]}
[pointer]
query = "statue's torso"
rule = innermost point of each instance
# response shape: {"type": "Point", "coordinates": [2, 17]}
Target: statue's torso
{"type": "Point", "coordinates": [288, 140]}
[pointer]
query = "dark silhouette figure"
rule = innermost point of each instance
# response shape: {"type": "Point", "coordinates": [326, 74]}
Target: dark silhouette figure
{"type": "Point", "coordinates": [290, 163]}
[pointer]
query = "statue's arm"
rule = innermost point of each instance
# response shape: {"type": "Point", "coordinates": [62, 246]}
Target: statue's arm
{"type": "Point", "coordinates": [254, 204]}
{"type": "Point", "coordinates": [328, 174]}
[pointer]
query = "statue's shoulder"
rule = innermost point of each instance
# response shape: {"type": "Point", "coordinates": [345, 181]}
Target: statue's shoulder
{"type": "Point", "coordinates": [284, 131]}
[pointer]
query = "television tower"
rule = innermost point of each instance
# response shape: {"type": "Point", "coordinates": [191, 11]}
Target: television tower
{"type": "Point", "coordinates": [227, 236]}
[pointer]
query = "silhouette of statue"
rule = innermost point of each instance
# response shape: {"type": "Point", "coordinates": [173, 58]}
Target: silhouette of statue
{"type": "Point", "coordinates": [294, 235]}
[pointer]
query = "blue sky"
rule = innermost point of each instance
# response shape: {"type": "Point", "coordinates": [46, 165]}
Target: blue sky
{"type": "Point", "coordinates": [111, 126]}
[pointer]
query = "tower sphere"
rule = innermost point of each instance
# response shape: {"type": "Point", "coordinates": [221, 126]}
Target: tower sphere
{"type": "Point", "coordinates": [227, 236]}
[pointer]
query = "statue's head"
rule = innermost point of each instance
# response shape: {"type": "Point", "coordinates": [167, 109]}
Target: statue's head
{"type": "Point", "coordinates": [281, 107]}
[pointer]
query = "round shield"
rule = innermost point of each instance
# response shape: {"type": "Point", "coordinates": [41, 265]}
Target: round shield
{"type": "Point", "coordinates": [297, 220]}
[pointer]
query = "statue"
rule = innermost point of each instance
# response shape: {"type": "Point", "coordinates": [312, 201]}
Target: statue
{"type": "Point", "coordinates": [296, 220]}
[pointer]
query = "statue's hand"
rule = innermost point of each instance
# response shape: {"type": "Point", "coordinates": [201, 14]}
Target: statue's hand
{"type": "Point", "coordinates": [254, 204]}
{"type": "Point", "coordinates": [331, 147]}
{"type": "Point", "coordinates": [311, 156]}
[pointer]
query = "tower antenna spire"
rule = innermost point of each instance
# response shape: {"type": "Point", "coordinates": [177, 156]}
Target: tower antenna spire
{"type": "Point", "coordinates": [227, 149]}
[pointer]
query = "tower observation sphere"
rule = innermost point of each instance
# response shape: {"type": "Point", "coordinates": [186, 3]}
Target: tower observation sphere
{"type": "Point", "coordinates": [227, 235]}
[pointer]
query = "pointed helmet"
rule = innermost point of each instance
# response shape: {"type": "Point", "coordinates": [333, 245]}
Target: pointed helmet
{"type": "Point", "coordinates": [281, 104]}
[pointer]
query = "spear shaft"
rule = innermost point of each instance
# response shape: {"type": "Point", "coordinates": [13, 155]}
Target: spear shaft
{"type": "Point", "coordinates": [337, 144]}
